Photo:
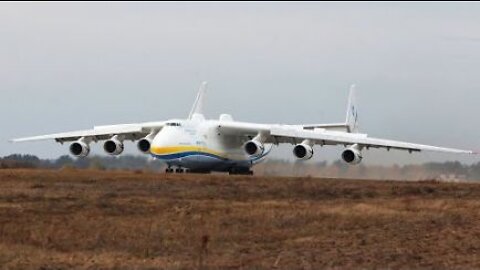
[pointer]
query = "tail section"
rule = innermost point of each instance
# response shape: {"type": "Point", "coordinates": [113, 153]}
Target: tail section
{"type": "Point", "coordinates": [352, 112]}
{"type": "Point", "coordinates": [351, 123]}
{"type": "Point", "coordinates": [197, 108]}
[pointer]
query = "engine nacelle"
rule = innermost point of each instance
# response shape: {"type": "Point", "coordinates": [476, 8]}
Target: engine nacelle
{"type": "Point", "coordinates": [352, 155]}
{"type": "Point", "coordinates": [79, 149]}
{"type": "Point", "coordinates": [303, 151]}
{"type": "Point", "coordinates": [144, 145]}
{"type": "Point", "coordinates": [254, 148]}
{"type": "Point", "coordinates": [113, 146]}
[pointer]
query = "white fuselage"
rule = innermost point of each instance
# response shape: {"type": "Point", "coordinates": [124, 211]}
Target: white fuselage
{"type": "Point", "coordinates": [197, 144]}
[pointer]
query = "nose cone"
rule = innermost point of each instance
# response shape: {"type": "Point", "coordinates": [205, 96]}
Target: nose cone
{"type": "Point", "coordinates": [165, 138]}
{"type": "Point", "coordinates": [170, 142]}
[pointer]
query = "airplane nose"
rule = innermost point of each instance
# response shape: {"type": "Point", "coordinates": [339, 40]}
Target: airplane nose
{"type": "Point", "coordinates": [164, 140]}
{"type": "Point", "coordinates": [157, 145]}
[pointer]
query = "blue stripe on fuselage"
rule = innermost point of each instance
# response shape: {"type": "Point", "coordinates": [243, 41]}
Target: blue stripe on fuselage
{"type": "Point", "coordinates": [187, 154]}
{"type": "Point", "coordinates": [198, 153]}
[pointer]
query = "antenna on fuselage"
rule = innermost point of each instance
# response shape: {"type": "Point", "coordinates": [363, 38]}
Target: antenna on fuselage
{"type": "Point", "coordinates": [197, 107]}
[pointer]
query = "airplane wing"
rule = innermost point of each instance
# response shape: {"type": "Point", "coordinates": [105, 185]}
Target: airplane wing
{"type": "Point", "coordinates": [128, 131]}
{"type": "Point", "coordinates": [329, 137]}
{"type": "Point", "coordinates": [333, 126]}
{"type": "Point", "coordinates": [319, 136]}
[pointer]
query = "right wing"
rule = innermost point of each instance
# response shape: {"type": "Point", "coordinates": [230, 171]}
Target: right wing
{"type": "Point", "coordinates": [296, 134]}
{"type": "Point", "coordinates": [98, 133]}
{"type": "Point", "coordinates": [335, 126]}
{"type": "Point", "coordinates": [325, 137]}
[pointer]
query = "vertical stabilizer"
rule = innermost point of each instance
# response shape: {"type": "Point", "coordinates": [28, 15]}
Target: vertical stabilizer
{"type": "Point", "coordinates": [352, 111]}
{"type": "Point", "coordinates": [197, 107]}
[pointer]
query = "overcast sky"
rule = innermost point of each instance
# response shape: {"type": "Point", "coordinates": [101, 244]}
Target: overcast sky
{"type": "Point", "coordinates": [69, 66]}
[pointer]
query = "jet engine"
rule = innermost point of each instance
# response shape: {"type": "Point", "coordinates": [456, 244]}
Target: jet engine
{"type": "Point", "coordinates": [352, 155]}
{"type": "Point", "coordinates": [254, 148]}
{"type": "Point", "coordinates": [144, 145]}
{"type": "Point", "coordinates": [113, 146]}
{"type": "Point", "coordinates": [303, 151]}
{"type": "Point", "coordinates": [79, 149]}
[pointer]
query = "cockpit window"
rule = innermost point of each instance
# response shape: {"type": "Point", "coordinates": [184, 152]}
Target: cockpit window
{"type": "Point", "coordinates": [173, 124]}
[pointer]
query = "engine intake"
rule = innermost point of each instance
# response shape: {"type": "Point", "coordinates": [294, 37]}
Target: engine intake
{"type": "Point", "coordinates": [144, 145]}
{"type": "Point", "coordinates": [352, 155]}
{"type": "Point", "coordinates": [303, 151]}
{"type": "Point", "coordinates": [113, 146]}
{"type": "Point", "coordinates": [253, 148]}
{"type": "Point", "coordinates": [79, 149]}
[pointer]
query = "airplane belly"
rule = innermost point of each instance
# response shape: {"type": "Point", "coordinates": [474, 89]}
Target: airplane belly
{"type": "Point", "coordinates": [204, 162]}
{"type": "Point", "coordinates": [207, 161]}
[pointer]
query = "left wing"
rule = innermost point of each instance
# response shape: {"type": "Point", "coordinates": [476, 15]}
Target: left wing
{"type": "Point", "coordinates": [318, 136]}
{"type": "Point", "coordinates": [128, 131]}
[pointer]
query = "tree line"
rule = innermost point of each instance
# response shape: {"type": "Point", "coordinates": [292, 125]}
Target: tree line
{"type": "Point", "coordinates": [450, 170]}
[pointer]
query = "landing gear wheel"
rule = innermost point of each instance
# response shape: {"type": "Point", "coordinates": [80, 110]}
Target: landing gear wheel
{"type": "Point", "coordinates": [179, 170]}
{"type": "Point", "coordinates": [240, 171]}
{"type": "Point", "coordinates": [168, 170]}
{"type": "Point", "coordinates": [199, 171]}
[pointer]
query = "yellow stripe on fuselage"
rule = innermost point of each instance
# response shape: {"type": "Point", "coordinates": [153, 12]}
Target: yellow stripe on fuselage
{"type": "Point", "coordinates": [169, 150]}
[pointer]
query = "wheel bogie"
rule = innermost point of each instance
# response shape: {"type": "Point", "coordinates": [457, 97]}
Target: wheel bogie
{"type": "Point", "coordinates": [240, 171]}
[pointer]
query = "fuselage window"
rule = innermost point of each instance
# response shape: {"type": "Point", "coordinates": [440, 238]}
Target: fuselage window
{"type": "Point", "coordinates": [173, 124]}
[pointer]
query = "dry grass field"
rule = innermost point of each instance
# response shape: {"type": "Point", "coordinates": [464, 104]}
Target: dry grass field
{"type": "Point", "coordinates": [84, 219]}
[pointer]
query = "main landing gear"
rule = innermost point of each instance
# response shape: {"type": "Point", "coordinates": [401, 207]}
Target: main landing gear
{"type": "Point", "coordinates": [176, 170]}
{"type": "Point", "coordinates": [232, 171]}
{"type": "Point", "coordinates": [240, 171]}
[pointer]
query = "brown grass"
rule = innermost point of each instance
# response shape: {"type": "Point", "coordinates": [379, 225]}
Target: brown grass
{"type": "Point", "coordinates": [128, 220]}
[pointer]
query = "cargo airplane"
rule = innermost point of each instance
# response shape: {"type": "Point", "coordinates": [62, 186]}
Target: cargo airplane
{"type": "Point", "coordinates": [197, 144]}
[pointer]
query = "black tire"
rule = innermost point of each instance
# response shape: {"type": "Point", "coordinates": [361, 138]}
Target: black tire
{"type": "Point", "coordinates": [200, 171]}
{"type": "Point", "coordinates": [240, 171]}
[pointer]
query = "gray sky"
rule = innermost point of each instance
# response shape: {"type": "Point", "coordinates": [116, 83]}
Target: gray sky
{"type": "Point", "coordinates": [69, 66]}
